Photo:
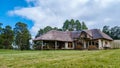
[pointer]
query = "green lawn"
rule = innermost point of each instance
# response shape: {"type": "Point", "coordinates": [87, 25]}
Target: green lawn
{"type": "Point", "coordinates": [60, 59]}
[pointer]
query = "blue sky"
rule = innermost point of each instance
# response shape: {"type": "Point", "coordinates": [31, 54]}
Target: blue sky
{"type": "Point", "coordinates": [7, 5]}
{"type": "Point", "coordinates": [40, 13]}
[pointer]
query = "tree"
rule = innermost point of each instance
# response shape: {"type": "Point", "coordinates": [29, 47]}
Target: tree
{"type": "Point", "coordinates": [40, 32]}
{"type": "Point", "coordinates": [55, 28]}
{"type": "Point", "coordinates": [22, 36]}
{"type": "Point", "coordinates": [106, 30]}
{"type": "Point", "coordinates": [78, 25]}
{"type": "Point", "coordinates": [84, 27]}
{"type": "Point", "coordinates": [66, 25]}
{"type": "Point", "coordinates": [7, 36]}
{"type": "Point", "coordinates": [69, 25]}
{"type": "Point", "coordinates": [113, 32]}
{"type": "Point", "coordinates": [73, 25]}
{"type": "Point", "coordinates": [1, 46]}
{"type": "Point", "coordinates": [47, 28]}
{"type": "Point", "coordinates": [1, 28]}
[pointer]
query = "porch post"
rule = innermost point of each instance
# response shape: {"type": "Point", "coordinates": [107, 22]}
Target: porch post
{"type": "Point", "coordinates": [73, 45]}
{"type": "Point", "coordinates": [103, 43]}
{"type": "Point", "coordinates": [100, 43]}
{"type": "Point", "coordinates": [84, 44]}
{"type": "Point", "coordinates": [88, 43]}
{"type": "Point", "coordinates": [66, 45]}
{"type": "Point", "coordinates": [55, 45]}
{"type": "Point", "coordinates": [42, 45]}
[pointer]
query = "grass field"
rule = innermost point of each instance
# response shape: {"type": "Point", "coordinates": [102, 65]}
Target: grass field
{"type": "Point", "coordinates": [60, 59]}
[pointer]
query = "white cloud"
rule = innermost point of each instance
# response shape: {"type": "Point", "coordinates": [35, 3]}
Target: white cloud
{"type": "Point", "coordinates": [55, 12]}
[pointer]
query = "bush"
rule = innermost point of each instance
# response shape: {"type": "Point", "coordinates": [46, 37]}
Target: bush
{"type": "Point", "coordinates": [79, 47]}
{"type": "Point", "coordinates": [37, 47]}
{"type": "Point", "coordinates": [92, 47]}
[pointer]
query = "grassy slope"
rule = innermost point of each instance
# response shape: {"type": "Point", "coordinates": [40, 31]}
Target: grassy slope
{"type": "Point", "coordinates": [60, 59]}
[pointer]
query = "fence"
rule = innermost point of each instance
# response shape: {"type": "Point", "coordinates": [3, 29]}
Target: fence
{"type": "Point", "coordinates": [115, 44]}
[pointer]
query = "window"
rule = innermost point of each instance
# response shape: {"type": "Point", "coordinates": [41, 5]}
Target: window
{"type": "Point", "coordinates": [89, 42]}
{"type": "Point", "coordinates": [70, 45]}
{"type": "Point", "coordinates": [92, 43]}
{"type": "Point", "coordinates": [106, 42]}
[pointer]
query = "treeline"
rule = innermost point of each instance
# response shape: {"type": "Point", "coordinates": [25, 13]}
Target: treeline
{"type": "Point", "coordinates": [17, 37]}
{"type": "Point", "coordinates": [113, 32]}
{"type": "Point", "coordinates": [68, 25]}
{"type": "Point", "coordinates": [6, 37]}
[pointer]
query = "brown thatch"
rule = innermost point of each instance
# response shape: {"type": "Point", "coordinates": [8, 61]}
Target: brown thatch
{"type": "Point", "coordinates": [97, 34]}
{"type": "Point", "coordinates": [54, 35]}
{"type": "Point", "coordinates": [69, 36]}
{"type": "Point", "coordinates": [75, 34]}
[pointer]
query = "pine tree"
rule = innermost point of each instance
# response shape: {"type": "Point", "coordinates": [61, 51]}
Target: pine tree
{"type": "Point", "coordinates": [84, 27]}
{"type": "Point", "coordinates": [78, 25]}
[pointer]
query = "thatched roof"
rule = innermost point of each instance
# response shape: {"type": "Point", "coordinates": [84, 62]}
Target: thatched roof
{"type": "Point", "coordinates": [69, 36]}
{"type": "Point", "coordinates": [54, 35]}
{"type": "Point", "coordinates": [97, 34]}
{"type": "Point", "coordinates": [75, 34]}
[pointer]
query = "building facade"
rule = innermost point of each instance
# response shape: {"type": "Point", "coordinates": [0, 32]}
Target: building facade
{"type": "Point", "coordinates": [83, 39]}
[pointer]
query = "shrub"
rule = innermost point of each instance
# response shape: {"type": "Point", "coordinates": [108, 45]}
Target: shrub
{"type": "Point", "coordinates": [92, 47]}
{"type": "Point", "coordinates": [37, 47]}
{"type": "Point", "coordinates": [79, 47]}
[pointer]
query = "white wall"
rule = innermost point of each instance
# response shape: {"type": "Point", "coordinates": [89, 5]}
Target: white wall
{"type": "Point", "coordinates": [66, 45]}
{"type": "Point", "coordinates": [100, 44]}
{"type": "Point", "coordinates": [85, 44]}
{"type": "Point", "coordinates": [108, 43]}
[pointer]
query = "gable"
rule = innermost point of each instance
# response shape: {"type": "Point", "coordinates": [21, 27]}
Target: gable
{"type": "Point", "coordinates": [85, 35]}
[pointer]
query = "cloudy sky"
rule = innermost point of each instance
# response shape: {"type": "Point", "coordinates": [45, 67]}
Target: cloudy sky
{"type": "Point", "coordinates": [40, 13]}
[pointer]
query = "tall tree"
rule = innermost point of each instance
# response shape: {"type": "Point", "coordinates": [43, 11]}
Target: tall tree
{"type": "Point", "coordinates": [78, 25]}
{"type": "Point", "coordinates": [84, 27]}
{"type": "Point", "coordinates": [74, 25]}
{"type": "Point", "coordinates": [1, 40]}
{"type": "Point", "coordinates": [69, 25]}
{"type": "Point", "coordinates": [40, 32]}
{"type": "Point", "coordinates": [7, 37]}
{"type": "Point", "coordinates": [55, 28]}
{"type": "Point", "coordinates": [1, 27]}
{"type": "Point", "coordinates": [106, 30]}
{"type": "Point", "coordinates": [22, 36]}
{"type": "Point", "coordinates": [47, 28]}
{"type": "Point", "coordinates": [113, 32]}
{"type": "Point", "coordinates": [66, 25]}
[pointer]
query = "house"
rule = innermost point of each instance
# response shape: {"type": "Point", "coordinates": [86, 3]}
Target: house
{"type": "Point", "coordinates": [74, 39]}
